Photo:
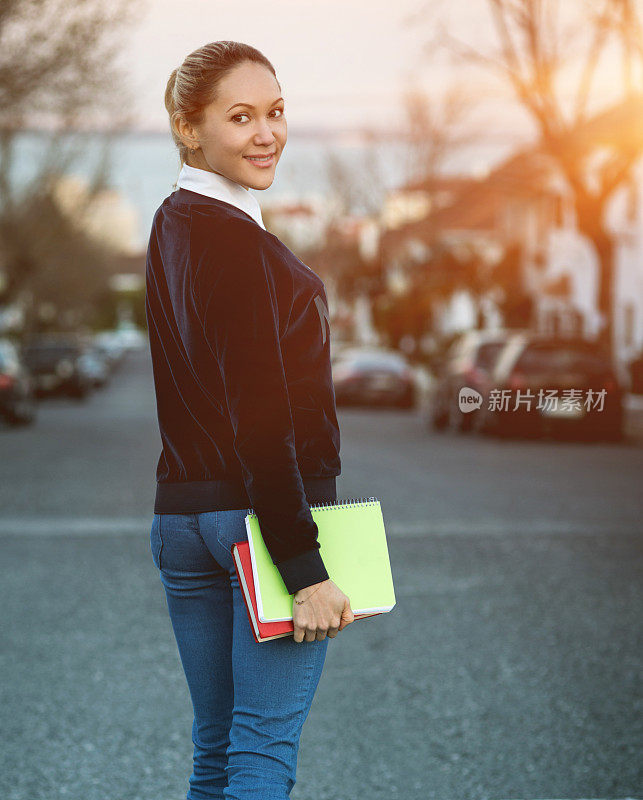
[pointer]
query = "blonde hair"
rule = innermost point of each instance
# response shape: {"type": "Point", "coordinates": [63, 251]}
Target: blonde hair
{"type": "Point", "coordinates": [192, 86]}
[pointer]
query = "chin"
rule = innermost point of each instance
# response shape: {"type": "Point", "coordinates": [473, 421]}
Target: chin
{"type": "Point", "coordinates": [260, 181]}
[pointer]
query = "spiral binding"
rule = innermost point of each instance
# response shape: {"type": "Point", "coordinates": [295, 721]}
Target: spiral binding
{"type": "Point", "coordinates": [347, 503]}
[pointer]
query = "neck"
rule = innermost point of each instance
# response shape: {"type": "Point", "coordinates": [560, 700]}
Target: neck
{"type": "Point", "coordinates": [206, 167]}
{"type": "Point", "coordinates": [197, 161]}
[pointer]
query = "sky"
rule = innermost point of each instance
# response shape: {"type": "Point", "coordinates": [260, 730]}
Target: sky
{"type": "Point", "coordinates": [340, 62]}
{"type": "Point", "coordinates": [346, 63]}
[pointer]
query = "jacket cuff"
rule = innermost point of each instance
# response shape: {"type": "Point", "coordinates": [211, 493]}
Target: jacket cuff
{"type": "Point", "coordinates": [302, 570]}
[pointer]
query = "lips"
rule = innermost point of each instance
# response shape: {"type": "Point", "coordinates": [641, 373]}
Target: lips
{"type": "Point", "coordinates": [262, 161]}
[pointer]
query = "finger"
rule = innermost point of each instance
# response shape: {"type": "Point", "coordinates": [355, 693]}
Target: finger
{"type": "Point", "coordinates": [332, 632]}
{"type": "Point", "coordinates": [311, 634]}
{"type": "Point", "coordinates": [321, 635]}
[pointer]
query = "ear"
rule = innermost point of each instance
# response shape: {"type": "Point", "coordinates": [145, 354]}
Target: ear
{"type": "Point", "coordinates": [186, 131]}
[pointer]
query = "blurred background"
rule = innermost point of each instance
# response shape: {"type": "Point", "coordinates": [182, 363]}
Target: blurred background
{"type": "Point", "coordinates": [467, 179]}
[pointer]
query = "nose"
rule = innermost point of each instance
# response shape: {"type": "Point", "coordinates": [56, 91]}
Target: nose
{"type": "Point", "coordinates": [264, 134]}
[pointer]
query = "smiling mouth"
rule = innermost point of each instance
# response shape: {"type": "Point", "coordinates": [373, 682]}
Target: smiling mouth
{"type": "Point", "coordinates": [261, 159]}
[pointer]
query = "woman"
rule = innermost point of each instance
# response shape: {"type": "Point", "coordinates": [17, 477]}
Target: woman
{"type": "Point", "coordinates": [246, 409]}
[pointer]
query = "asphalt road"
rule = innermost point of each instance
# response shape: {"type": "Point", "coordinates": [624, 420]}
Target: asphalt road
{"type": "Point", "coordinates": [510, 667]}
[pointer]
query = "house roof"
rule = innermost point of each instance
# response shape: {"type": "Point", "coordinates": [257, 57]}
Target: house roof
{"type": "Point", "coordinates": [476, 204]}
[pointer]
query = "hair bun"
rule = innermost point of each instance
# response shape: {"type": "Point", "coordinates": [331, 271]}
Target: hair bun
{"type": "Point", "coordinates": [169, 91]}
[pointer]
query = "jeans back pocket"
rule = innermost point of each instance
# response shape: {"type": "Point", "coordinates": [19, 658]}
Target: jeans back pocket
{"type": "Point", "coordinates": [231, 528]}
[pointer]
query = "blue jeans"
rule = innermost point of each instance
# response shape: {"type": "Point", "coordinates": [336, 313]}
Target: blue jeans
{"type": "Point", "coordinates": [250, 700]}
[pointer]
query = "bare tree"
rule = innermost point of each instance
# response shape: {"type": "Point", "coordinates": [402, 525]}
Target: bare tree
{"type": "Point", "coordinates": [346, 181]}
{"type": "Point", "coordinates": [537, 44]}
{"type": "Point", "coordinates": [58, 66]}
{"type": "Point", "coordinates": [58, 72]}
{"type": "Point", "coordinates": [436, 127]}
{"type": "Point", "coordinates": [356, 178]}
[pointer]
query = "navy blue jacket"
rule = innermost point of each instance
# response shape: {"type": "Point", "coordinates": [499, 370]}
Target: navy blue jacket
{"type": "Point", "coordinates": [240, 345]}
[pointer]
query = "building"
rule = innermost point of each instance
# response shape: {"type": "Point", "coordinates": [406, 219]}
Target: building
{"type": "Point", "coordinates": [526, 203]}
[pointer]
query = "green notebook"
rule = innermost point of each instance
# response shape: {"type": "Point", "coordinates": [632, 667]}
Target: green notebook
{"type": "Point", "coordinates": [353, 546]}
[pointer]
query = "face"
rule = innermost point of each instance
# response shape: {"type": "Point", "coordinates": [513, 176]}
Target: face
{"type": "Point", "coordinates": [247, 119]}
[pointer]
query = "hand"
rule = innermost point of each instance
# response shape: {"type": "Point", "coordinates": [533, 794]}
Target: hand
{"type": "Point", "coordinates": [326, 611]}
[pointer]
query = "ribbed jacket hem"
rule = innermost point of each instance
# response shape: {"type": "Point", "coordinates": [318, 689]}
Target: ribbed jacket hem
{"type": "Point", "coordinates": [197, 497]}
{"type": "Point", "coordinates": [303, 570]}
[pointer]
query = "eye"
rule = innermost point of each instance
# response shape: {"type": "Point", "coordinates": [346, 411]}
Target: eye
{"type": "Point", "coordinates": [245, 114]}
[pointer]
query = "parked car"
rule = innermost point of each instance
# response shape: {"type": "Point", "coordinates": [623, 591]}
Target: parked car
{"type": "Point", "coordinates": [468, 363]}
{"type": "Point", "coordinates": [18, 404]}
{"type": "Point", "coordinates": [107, 342]}
{"type": "Point", "coordinates": [338, 345]}
{"type": "Point", "coordinates": [57, 365]}
{"type": "Point", "coordinates": [636, 374]}
{"type": "Point", "coordinates": [569, 367]}
{"type": "Point", "coordinates": [373, 376]}
{"type": "Point", "coordinates": [95, 365]}
{"type": "Point", "coordinates": [129, 336]}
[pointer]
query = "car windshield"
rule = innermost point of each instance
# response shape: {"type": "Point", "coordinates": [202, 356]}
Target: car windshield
{"type": "Point", "coordinates": [6, 356]}
{"type": "Point", "coordinates": [374, 361]}
{"type": "Point", "coordinates": [46, 353]}
{"type": "Point", "coordinates": [561, 358]}
{"type": "Point", "coordinates": [488, 353]}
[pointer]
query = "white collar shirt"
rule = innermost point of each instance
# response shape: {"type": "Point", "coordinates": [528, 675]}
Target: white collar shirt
{"type": "Point", "coordinates": [212, 184]}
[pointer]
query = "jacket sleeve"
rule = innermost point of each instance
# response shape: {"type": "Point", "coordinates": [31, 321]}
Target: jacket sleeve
{"type": "Point", "coordinates": [236, 291]}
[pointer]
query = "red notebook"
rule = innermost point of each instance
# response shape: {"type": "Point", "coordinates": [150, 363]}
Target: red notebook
{"type": "Point", "coordinates": [263, 631]}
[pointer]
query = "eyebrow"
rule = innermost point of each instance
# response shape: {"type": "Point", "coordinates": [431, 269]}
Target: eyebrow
{"type": "Point", "coordinates": [249, 105]}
